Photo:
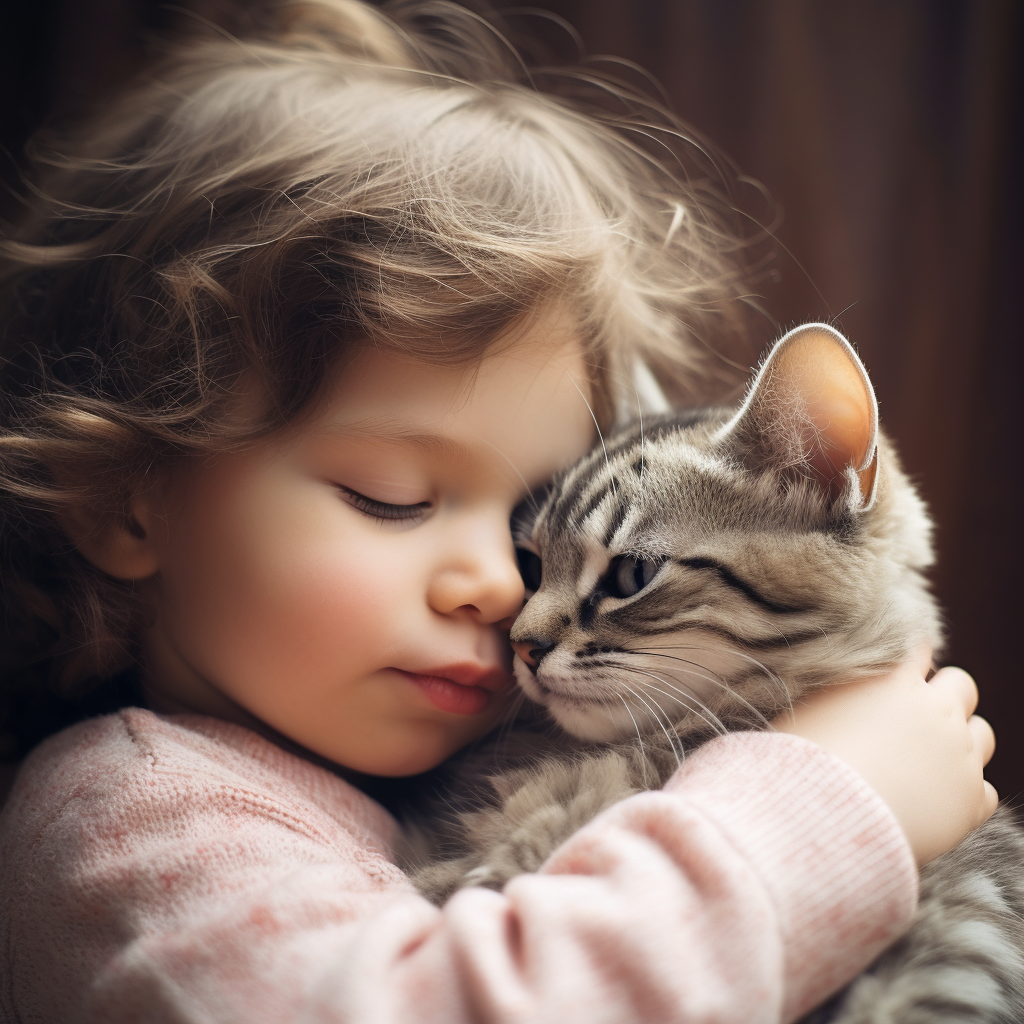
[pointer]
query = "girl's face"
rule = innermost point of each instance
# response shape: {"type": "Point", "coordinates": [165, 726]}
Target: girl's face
{"type": "Point", "coordinates": [350, 582]}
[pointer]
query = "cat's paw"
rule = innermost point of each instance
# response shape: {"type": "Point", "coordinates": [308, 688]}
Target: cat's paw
{"type": "Point", "coordinates": [440, 880]}
{"type": "Point", "coordinates": [489, 876]}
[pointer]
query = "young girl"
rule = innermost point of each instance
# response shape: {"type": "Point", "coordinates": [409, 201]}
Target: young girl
{"type": "Point", "coordinates": [288, 335]}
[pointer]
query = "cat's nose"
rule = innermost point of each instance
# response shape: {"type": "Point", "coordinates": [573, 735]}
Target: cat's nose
{"type": "Point", "coordinates": [532, 649]}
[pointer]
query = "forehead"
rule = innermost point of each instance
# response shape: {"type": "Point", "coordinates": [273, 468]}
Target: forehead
{"type": "Point", "coordinates": [525, 402]}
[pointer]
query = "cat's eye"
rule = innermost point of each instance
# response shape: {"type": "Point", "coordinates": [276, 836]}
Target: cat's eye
{"type": "Point", "coordinates": [628, 575]}
{"type": "Point", "coordinates": [383, 509]}
{"type": "Point", "coordinates": [529, 568]}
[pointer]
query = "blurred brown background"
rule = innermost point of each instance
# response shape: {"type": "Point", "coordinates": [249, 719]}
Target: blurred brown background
{"type": "Point", "coordinates": [889, 135]}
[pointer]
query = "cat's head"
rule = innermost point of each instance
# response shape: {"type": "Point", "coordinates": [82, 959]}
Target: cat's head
{"type": "Point", "coordinates": [714, 565]}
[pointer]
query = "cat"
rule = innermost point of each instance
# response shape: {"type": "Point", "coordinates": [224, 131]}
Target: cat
{"type": "Point", "coordinates": [698, 573]}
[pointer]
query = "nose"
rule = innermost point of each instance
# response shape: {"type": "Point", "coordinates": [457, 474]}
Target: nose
{"type": "Point", "coordinates": [479, 575]}
{"type": "Point", "coordinates": [532, 649]}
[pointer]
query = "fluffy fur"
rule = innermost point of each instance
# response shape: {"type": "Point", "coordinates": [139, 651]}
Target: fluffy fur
{"type": "Point", "coordinates": [699, 573]}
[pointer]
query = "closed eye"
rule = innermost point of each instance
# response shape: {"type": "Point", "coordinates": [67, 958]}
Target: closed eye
{"type": "Point", "coordinates": [383, 509]}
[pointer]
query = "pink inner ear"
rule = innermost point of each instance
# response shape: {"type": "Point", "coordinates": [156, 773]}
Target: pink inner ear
{"type": "Point", "coordinates": [820, 373]}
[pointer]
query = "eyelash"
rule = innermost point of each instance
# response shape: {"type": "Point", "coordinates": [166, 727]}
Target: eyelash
{"type": "Point", "coordinates": [382, 509]}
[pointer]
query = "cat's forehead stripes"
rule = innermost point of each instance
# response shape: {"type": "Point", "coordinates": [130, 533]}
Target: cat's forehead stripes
{"type": "Point", "coordinates": [615, 494]}
{"type": "Point", "coordinates": [602, 513]}
{"type": "Point", "coordinates": [582, 488]}
{"type": "Point", "coordinates": [579, 492]}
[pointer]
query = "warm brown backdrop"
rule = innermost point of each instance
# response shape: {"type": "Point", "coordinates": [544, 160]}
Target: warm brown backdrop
{"type": "Point", "coordinates": [889, 134]}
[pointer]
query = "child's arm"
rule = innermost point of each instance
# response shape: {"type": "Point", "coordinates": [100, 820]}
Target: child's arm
{"type": "Point", "coordinates": [918, 744]}
{"type": "Point", "coordinates": [188, 870]}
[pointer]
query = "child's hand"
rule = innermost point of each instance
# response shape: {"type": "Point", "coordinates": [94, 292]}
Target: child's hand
{"type": "Point", "coordinates": [917, 743]}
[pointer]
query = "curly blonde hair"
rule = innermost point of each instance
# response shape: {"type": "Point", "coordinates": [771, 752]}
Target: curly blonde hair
{"type": "Point", "coordinates": [339, 174]}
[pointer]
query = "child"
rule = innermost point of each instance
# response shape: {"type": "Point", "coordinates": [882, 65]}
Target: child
{"type": "Point", "coordinates": [289, 334]}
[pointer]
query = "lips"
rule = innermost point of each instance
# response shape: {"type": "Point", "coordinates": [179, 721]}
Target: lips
{"type": "Point", "coordinates": [463, 689]}
{"type": "Point", "coordinates": [492, 679]}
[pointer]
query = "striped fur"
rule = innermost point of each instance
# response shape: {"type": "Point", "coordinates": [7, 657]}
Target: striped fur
{"type": "Point", "coordinates": [762, 581]}
{"type": "Point", "coordinates": [769, 579]}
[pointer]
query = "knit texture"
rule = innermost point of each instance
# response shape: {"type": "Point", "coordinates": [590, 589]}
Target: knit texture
{"type": "Point", "coordinates": [186, 869]}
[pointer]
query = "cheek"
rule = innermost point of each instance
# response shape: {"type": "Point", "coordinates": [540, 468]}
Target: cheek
{"type": "Point", "coordinates": [285, 589]}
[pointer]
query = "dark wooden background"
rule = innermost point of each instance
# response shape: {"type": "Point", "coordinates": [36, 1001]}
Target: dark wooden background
{"type": "Point", "coordinates": [889, 135]}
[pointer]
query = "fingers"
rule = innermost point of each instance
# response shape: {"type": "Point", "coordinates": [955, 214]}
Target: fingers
{"type": "Point", "coordinates": [988, 805]}
{"type": "Point", "coordinates": [983, 736]}
{"type": "Point", "coordinates": [959, 684]}
{"type": "Point", "coordinates": [991, 800]}
{"type": "Point", "coordinates": [921, 660]}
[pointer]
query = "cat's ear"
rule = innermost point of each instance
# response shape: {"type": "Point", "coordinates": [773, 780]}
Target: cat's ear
{"type": "Point", "coordinates": [641, 396]}
{"type": "Point", "coordinates": [811, 412]}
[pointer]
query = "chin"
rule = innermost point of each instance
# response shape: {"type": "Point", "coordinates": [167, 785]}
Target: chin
{"type": "Point", "coordinates": [598, 722]}
{"type": "Point", "coordinates": [409, 757]}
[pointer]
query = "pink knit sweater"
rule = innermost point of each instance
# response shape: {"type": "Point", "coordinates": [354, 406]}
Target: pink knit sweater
{"type": "Point", "coordinates": [185, 869]}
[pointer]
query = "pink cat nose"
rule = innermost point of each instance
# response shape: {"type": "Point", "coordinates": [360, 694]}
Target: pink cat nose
{"type": "Point", "coordinates": [532, 649]}
{"type": "Point", "coordinates": [522, 648]}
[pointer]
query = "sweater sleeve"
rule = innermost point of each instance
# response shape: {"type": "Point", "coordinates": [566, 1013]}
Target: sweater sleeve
{"type": "Point", "coordinates": [149, 880]}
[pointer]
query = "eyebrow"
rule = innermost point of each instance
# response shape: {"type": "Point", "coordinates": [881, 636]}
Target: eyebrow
{"type": "Point", "coordinates": [395, 432]}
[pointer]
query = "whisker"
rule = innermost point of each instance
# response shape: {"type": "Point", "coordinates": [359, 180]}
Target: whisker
{"type": "Point", "coordinates": [739, 698]}
{"type": "Point", "coordinates": [600, 434]}
{"type": "Point", "coordinates": [705, 673]}
{"type": "Point", "coordinates": [773, 676]}
{"type": "Point", "coordinates": [657, 717]}
{"type": "Point", "coordinates": [639, 736]}
{"type": "Point", "coordinates": [714, 679]}
{"type": "Point", "coordinates": [715, 723]}
{"type": "Point", "coordinates": [733, 693]}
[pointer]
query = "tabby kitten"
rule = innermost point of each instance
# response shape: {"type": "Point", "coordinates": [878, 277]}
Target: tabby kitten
{"type": "Point", "coordinates": [699, 573]}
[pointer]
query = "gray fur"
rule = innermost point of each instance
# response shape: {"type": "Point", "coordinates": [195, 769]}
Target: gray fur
{"type": "Point", "coordinates": [773, 582]}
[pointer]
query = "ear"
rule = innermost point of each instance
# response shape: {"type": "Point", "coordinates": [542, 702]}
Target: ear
{"type": "Point", "coordinates": [811, 411]}
{"type": "Point", "coordinates": [642, 394]}
{"type": "Point", "coordinates": [121, 545]}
